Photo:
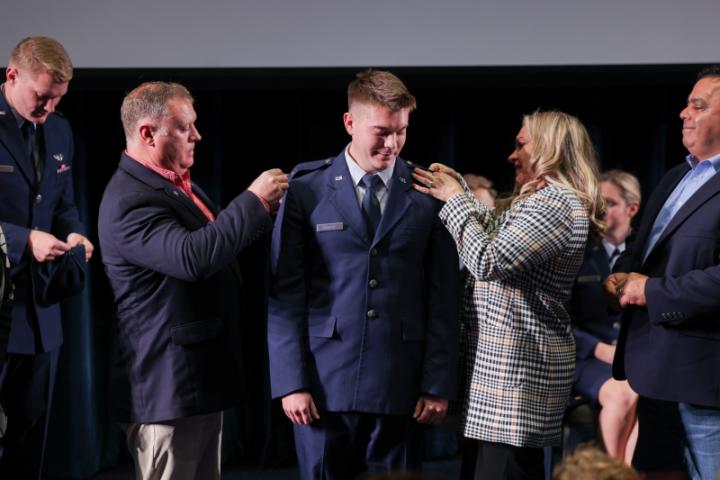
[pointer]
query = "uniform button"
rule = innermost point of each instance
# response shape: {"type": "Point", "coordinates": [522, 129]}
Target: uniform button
{"type": "Point", "coordinates": [614, 342]}
{"type": "Point", "coordinates": [36, 227]}
{"type": "Point", "coordinates": [38, 198]}
{"type": "Point", "coordinates": [616, 325]}
{"type": "Point", "coordinates": [374, 252]}
{"type": "Point", "coordinates": [373, 283]}
{"type": "Point", "coordinates": [372, 313]}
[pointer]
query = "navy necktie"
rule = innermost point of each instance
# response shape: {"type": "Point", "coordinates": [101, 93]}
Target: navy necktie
{"type": "Point", "coordinates": [30, 136]}
{"type": "Point", "coordinates": [370, 203]}
{"type": "Point", "coordinates": [613, 257]}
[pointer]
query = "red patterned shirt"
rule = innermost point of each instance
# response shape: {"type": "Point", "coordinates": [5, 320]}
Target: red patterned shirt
{"type": "Point", "coordinates": [180, 181]}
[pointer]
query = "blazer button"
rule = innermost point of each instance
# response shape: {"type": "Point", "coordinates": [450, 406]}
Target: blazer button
{"type": "Point", "coordinates": [373, 283]}
{"type": "Point", "coordinates": [38, 198]}
{"type": "Point", "coordinates": [372, 313]}
{"type": "Point", "coordinates": [374, 252]}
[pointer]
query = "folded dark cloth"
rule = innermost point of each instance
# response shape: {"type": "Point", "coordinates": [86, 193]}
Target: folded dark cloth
{"type": "Point", "coordinates": [61, 278]}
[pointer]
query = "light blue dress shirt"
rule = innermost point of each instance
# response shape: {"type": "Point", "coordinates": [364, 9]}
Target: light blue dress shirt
{"type": "Point", "coordinates": [357, 173]}
{"type": "Point", "coordinates": [699, 174]}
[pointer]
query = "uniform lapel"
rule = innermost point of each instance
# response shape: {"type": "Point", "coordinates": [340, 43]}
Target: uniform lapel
{"type": "Point", "coordinates": [12, 138]}
{"type": "Point", "coordinates": [344, 198]}
{"type": "Point", "coordinates": [398, 200]}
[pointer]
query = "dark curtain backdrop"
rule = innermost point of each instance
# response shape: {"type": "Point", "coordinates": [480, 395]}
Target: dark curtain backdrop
{"type": "Point", "coordinates": [252, 120]}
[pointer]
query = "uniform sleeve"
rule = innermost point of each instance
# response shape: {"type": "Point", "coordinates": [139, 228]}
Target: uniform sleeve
{"type": "Point", "coordinates": [287, 302]}
{"type": "Point", "coordinates": [443, 296]}
{"type": "Point", "coordinates": [66, 219]}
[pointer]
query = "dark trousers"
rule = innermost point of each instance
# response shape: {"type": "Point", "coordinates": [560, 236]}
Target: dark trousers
{"type": "Point", "coordinates": [661, 437]}
{"type": "Point", "coordinates": [340, 446]}
{"type": "Point", "coordinates": [26, 386]}
{"type": "Point", "coordinates": [498, 461]}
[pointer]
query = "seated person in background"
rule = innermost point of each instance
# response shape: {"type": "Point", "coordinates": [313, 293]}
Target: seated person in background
{"type": "Point", "coordinates": [481, 187]}
{"type": "Point", "coordinates": [590, 463]}
{"type": "Point", "coordinates": [596, 327]}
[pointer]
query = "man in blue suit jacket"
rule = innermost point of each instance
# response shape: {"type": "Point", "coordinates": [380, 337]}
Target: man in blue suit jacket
{"type": "Point", "coordinates": [669, 344]}
{"type": "Point", "coordinates": [171, 258]}
{"type": "Point", "coordinates": [362, 325]}
{"type": "Point", "coordinates": [40, 221]}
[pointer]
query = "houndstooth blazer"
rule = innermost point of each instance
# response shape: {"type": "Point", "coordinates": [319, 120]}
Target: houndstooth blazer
{"type": "Point", "coordinates": [519, 350]}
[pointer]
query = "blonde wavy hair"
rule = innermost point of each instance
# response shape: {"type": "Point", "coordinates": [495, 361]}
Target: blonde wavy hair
{"type": "Point", "coordinates": [563, 155]}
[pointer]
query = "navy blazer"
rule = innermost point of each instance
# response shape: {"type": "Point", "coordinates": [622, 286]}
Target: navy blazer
{"type": "Point", "coordinates": [364, 324]}
{"type": "Point", "coordinates": [26, 204]}
{"type": "Point", "coordinates": [671, 349]}
{"type": "Point", "coordinates": [177, 291]}
{"type": "Point", "coordinates": [593, 322]}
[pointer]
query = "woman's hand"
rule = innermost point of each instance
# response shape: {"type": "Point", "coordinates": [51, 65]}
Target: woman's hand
{"type": "Point", "coordinates": [439, 167]}
{"type": "Point", "coordinates": [441, 182]}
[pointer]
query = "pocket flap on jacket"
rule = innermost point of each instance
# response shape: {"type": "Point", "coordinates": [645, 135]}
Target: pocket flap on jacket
{"type": "Point", "coordinates": [321, 326]}
{"type": "Point", "coordinates": [196, 332]}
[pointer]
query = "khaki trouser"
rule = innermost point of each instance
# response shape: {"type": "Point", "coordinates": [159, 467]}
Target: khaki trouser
{"type": "Point", "coordinates": [180, 449]}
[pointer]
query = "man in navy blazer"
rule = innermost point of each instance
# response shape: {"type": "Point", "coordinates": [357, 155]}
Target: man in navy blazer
{"type": "Point", "coordinates": [171, 258]}
{"type": "Point", "coordinates": [41, 223]}
{"type": "Point", "coordinates": [669, 344]}
{"type": "Point", "coordinates": [362, 323]}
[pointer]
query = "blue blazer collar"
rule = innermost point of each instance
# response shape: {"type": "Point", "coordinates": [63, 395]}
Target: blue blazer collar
{"type": "Point", "coordinates": [710, 189]}
{"type": "Point", "coordinates": [156, 182]}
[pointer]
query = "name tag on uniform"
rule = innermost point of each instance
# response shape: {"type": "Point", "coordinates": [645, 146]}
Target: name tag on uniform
{"type": "Point", "coordinates": [7, 169]}
{"type": "Point", "coordinates": [588, 278]}
{"type": "Point", "coordinates": [329, 227]}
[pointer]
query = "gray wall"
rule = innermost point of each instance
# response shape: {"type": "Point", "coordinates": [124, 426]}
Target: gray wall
{"type": "Point", "coordinates": [333, 33]}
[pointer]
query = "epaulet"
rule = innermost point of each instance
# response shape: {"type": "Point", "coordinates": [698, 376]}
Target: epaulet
{"type": "Point", "coordinates": [308, 167]}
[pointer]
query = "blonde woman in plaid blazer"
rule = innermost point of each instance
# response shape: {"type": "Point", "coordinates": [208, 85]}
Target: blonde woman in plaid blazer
{"type": "Point", "coordinates": [523, 259]}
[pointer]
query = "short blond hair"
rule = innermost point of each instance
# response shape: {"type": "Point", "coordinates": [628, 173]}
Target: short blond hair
{"type": "Point", "coordinates": [149, 101]}
{"type": "Point", "coordinates": [627, 183]}
{"type": "Point", "coordinates": [588, 462]}
{"type": "Point", "coordinates": [378, 87]}
{"type": "Point", "coordinates": [42, 54]}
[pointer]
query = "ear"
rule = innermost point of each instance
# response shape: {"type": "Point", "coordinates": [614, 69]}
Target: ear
{"type": "Point", "coordinates": [147, 134]}
{"type": "Point", "coordinates": [348, 122]}
{"type": "Point", "coordinates": [11, 75]}
{"type": "Point", "coordinates": [633, 209]}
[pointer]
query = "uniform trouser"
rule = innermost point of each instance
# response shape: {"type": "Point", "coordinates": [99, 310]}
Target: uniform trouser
{"type": "Point", "coordinates": [26, 388]}
{"type": "Point", "coordinates": [180, 449]}
{"type": "Point", "coordinates": [339, 446]}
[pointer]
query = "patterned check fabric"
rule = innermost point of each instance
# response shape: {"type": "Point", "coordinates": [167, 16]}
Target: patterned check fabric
{"type": "Point", "coordinates": [519, 347]}
{"type": "Point", "coordinates": [370, 203]}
